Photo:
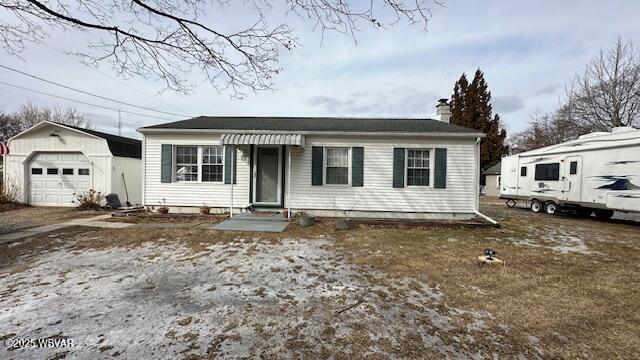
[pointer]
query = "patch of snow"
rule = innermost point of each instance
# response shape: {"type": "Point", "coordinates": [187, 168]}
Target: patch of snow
{"type": "Point", "coordinates": [244, 298]}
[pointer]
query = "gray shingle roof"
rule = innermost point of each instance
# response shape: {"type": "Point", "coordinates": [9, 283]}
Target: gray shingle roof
{"type": "Point", "coordinates": [316, 124]}
{"type": "Point", "coordinates": [493, 170]}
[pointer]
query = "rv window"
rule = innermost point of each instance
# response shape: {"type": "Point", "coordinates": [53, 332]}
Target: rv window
{"type": "Point", "coordinates": [523, 171]}
{"type": "Point", "coordinates": [548, 171]}
{"type": "Point", "coordinates": [573, 168]}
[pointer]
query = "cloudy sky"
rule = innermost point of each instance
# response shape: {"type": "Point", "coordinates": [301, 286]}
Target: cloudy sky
{"type": "Point", "coordinates": [528, 50]}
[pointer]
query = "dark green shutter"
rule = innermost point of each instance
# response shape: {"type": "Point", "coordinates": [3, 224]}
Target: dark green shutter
{"type": "Point", "coordinates": [166, 163]}
{"type": "Point", "coordinates": [398, 167]}
{"type": "Point", "coordinates": [316, 165]}
{"type": "Point", "coordinates": [357, 166]}
{"type": "Point", "coordinates": [440, 175]}
{"type": "Point", "coordinates": [230, 152]}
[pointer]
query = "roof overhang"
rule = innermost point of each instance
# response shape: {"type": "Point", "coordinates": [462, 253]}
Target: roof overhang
{"type": "Point", "coordinates": [262, 139]}
{"type": "Point", "coordinates": [49, 123]}
{"type": "Point", "coordinates": [333, 133]}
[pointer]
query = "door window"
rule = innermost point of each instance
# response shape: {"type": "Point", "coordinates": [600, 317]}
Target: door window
{"type": "Point", "coordinates": [52, 171]}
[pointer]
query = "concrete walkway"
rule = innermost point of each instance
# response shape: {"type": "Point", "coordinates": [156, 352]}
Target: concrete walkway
{"type": "Point", "coordinates": [254, 222]}
{"type": "Point", "coordinates": [96, 221]}
{"type": "Point", "coordinates": [241, 222]}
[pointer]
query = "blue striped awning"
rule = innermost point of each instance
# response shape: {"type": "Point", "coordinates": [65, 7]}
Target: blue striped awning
{"type": "Point", "coordinates": [263, 139]}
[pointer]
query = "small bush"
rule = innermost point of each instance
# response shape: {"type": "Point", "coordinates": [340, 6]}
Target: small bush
{"type": "Point", "coordinates": [9, 193]}
{"type": "Point", "coordinates": [89, 200]}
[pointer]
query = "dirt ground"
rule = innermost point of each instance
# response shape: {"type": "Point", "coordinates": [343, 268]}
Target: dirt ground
{"type": "Point", "coordinates": [15, 219]}
{"type": "Point", "coordinates": [570, 289]}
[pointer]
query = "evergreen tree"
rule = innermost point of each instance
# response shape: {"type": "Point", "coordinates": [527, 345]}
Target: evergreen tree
{"type": "Point", "coordinates": [471, 107]}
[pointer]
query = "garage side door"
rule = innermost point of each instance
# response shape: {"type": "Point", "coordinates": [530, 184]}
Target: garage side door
{"type": "Point", "coordinates": [55, 177]}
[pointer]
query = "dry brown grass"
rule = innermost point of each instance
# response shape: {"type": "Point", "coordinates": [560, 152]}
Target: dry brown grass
{"type": "Point", "coordinates": [578, 305]}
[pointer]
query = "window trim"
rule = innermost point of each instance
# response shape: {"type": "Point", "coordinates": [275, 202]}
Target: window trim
{"type": "Point", "coordinates": [431, 167]}
{"type": "Point", "coordinates": [200, 147]}
{"type": "Point", "coordinates": [324, 164]}
{"type": "Point", "coordinates": [202, 164]}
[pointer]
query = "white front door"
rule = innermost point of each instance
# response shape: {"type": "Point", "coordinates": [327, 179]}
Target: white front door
{"type": "Point", "coordinates": [55, 177]}
{"type": "Point", "coordinates": [267, 176]}
{"type": "Point", "coordinates": [572, 178]}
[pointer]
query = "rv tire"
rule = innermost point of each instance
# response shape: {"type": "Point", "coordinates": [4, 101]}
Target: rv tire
{"type": "Point", "coordinates": [603, 214]}
{"type": "Point", "coordinates": [551, 207]}
{"type": "Point", "coordinates": [584, 212]}
{"type": "Point", "coordinates": [536, 206]}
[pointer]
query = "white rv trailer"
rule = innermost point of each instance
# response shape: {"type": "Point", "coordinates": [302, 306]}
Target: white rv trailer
{"type": "Point", "coordinates": [598, 172]}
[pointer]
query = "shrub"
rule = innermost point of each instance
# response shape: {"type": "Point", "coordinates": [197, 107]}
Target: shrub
{"type": "Point", "coordinates": [9, 193]}
{"type": "Point", "coordinates": [89, 200]}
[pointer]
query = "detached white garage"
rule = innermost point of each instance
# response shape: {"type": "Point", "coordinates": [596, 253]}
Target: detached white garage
{"type": "Point", "coordinates": [51, 161]}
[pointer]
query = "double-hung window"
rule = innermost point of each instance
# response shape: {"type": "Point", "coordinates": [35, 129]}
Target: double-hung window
{"type": "Point", "coordinates": [337, 166]}
{"type": "Point", "coordinates": [212, 163]}
{"type": "Point", "coordinates": [417, 167]}
{"type": "Point", "coordinates": [186, 163]}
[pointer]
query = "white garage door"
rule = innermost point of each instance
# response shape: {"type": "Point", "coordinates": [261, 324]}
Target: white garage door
{"type": "Point", "coordinates": [55, 177]}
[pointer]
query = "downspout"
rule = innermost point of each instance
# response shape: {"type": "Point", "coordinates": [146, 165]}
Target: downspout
{"type": "Point", "coordinates": [233, 148]}
{"type": "Point", "coordinates": [143, 169]}
{"type": "Point", "coordinates": [289, 182]}
{"type": "Point", "coordinates": [476, 176]}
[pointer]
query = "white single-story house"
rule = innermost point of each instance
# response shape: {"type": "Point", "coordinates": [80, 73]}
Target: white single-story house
{"type": "Point", "coordinates": [355, 167]}
{"type": "Point", "coordinates": [492, 180]}
{"type": "Point", "coordinates": [51, 162]}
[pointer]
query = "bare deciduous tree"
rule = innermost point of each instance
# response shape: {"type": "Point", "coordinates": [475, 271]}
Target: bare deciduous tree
{"type": "Point", "coordinates": [29, 115]}
{"type": "Point", "coordinates": [9, 126]}
{"type": "Point", "coordinates": [607, 94]}
{"type": "Point", "coordinates": [545, 129]}
{"type": "Point", "coordinates": [166, 39]}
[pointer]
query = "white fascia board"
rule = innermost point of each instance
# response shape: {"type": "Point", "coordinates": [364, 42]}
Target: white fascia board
{"type": "Point", "coordinates": [343, 133]}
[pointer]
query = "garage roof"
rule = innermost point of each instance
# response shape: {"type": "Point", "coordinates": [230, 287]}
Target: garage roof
{"type": "Point", "coordinates": [315, 125]}
{"type": "Point", "coordinates": [118, 145]}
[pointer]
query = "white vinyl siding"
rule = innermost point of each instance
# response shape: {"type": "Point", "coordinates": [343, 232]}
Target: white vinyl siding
{"type": "Point", "coordinates": [378, 193]}
{"type": "Point", "coordinates": [99, 168]}
{"type": "Point", "coordinates": [193, 194]}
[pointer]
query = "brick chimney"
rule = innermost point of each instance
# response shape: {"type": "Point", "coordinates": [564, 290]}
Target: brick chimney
{"type": "Point", "coordinates": [443, 110]}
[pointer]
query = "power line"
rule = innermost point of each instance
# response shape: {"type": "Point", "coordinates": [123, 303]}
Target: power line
{"type": "Point", "coordinates": [90, 94]}
{"type": "Point", "coordinates": [111, 77]}
{"type": "Point", "coordinates": [83, 102]}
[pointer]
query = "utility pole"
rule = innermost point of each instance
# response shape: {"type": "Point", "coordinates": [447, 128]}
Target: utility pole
{"type": "Point", "coordinates": [119, 122]}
